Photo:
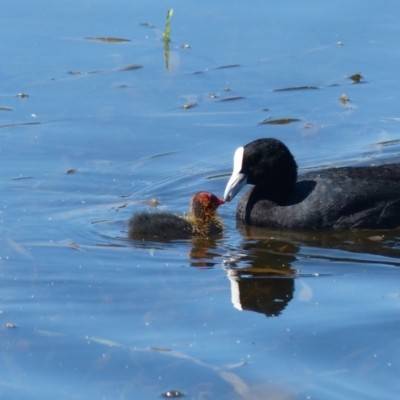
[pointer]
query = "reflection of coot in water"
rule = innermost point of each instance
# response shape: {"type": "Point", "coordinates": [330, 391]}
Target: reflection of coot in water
{"type": "Point", "coordinates": [335, 198]}
{"type": "Point", "coordinates": [261, 275]}
{"type": "Point", "coordinates": [201, 221]}
{"type": "Point", "coordinates": [268, 296]}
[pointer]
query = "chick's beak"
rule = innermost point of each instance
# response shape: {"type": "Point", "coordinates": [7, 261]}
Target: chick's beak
{"type": "Point", "coordinates": [220, 201]}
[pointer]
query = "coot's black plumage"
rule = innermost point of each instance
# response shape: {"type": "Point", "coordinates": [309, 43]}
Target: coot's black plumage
{"type": "Point", "coordinates": [201, 221]}
{"type": "Point", "coordinates": [334, 198]}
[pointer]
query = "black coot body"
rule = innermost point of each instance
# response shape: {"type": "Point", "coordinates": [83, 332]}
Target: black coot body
{"type": "Point", "coordinates": [335, 198]}
{"type": "Point", "coordinates": [201, 221]}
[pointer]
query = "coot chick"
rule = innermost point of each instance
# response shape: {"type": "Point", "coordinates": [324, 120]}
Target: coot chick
{"type": "Point", "coordinates": [334, 198]}
{"type": "Point", "coordinates": [201, 221]}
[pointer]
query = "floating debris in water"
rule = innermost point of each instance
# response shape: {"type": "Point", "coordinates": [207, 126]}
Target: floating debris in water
{"type": "Point", "coordinates": [356, 78]}
{"type": "Point", "coordinates": [296, 88]}
{"type": "Point", "coordinates": [227, 66]}
{"type": "Point", "coordinates": [217, 68]}
{"type": "Point", "coordinates": [152, 202]}
{"type": "Point", "coordinates": [189, 105]}
{"type": "Point", "coordinates": [127, 68]}
{"type": "Point", "coordinates": [233, 98]}
{"type": "Point", "coordinates": [131, 67]}
{"type": "Point", "coordinates": [108, 39]}
{"type": "Point", "coordinates": [117, 208]}
{"type": "Point", "coordinates": [173, 394]}
{"type": "Point", "coordinates": [344, 99]}
{"type": "Point", "coordinates": [20, 178]}
{"type": "Point", "coordinates": [281, 121]}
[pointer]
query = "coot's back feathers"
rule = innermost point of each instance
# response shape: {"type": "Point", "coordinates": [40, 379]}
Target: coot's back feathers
{"type": "Point", "coordinates": [335, 198]}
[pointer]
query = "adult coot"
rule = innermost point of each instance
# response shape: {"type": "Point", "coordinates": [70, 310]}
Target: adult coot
{"type": "Point", "coordinates": [334, 198]}
{"type": "Point", "coordinates": [201, 221]}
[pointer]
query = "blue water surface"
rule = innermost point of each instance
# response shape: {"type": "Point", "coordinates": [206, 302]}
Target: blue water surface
{"type": "Point", "coordinates": [93, 129]}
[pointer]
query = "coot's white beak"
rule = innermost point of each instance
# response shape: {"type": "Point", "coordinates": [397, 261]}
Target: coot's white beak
{"type": "Point", "coordinates": [238, 179]}
{"type": "Point", "coordinates": [235, 183]}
